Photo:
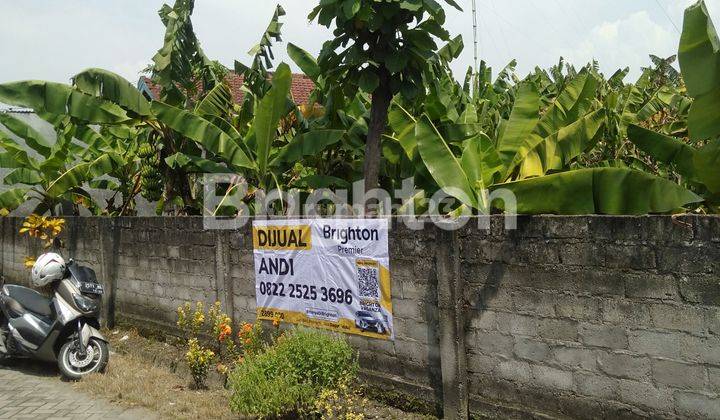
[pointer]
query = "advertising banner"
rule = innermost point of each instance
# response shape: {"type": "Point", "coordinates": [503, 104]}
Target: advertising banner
{"type": "Point", "coordinates": [325, 273]}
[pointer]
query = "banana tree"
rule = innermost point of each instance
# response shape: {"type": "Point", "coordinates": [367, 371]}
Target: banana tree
{"type": "Point", "coordinates": [261, 156]}
{"type": "Point", "coordinates": [58, 174]}
{"type": "Point", "coordinates": [698, 164]}
{"type": "Point", "coordinates": [532, 159]}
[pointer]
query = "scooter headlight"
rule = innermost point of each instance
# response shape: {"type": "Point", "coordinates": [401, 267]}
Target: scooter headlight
{"type": "Point", "coordinates": [85, 304]}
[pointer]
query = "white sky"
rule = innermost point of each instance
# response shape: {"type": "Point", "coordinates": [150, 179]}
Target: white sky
{"type": "Point", "coordinates": [52, 40]}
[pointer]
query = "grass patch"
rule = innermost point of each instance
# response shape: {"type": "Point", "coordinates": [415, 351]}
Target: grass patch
{"type": "Point", "coordinates": [133, 379]}
{"type": "Point", "coordinates": [151, 374]}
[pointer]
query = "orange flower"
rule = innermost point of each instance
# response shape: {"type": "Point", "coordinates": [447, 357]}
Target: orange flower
{"type": "Point", "coordinates": [225, 332]}
{"type": "Point", "coordinates": [248, 341]}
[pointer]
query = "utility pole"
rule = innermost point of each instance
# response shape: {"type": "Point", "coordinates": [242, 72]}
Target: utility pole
{"type": "Point", "coordinates": [475, 33]}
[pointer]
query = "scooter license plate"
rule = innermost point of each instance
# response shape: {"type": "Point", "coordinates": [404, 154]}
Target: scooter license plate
{"type": "Point", "coordinates": [92, 288]}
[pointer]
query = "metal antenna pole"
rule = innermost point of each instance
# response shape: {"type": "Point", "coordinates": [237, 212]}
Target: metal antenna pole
{"type": "Point", "coordinates": [475, 33]}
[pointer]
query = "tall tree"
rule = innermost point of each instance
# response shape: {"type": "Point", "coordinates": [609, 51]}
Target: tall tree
{"type": "Point", "coordinates": [382, 48]}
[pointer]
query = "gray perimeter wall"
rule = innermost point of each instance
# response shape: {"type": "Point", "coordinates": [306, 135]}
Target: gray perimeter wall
{"type": "Point", "coordinates": [614, 317]}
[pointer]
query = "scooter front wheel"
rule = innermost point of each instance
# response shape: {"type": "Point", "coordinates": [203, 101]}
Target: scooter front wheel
{"type": "Point", "coordinates": [74, 365]}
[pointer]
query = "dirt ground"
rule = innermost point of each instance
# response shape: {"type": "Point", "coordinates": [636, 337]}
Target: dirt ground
{"type": "Point", "coordinates": [151, 374]}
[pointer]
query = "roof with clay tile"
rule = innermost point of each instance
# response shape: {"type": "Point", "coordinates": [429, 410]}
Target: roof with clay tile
{"type": "Point", "coordinates": [301, 87]}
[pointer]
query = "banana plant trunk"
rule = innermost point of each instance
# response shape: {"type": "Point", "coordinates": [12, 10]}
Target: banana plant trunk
{"type": "Point", "coordinates": [378, 123]}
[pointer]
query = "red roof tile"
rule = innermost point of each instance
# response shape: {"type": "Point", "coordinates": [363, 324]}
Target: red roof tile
{"type": "Point", "coordinates": [302, 87]}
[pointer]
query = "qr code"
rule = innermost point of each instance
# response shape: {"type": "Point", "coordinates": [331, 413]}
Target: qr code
{"type": "Point", "coordinates": [368, 286]}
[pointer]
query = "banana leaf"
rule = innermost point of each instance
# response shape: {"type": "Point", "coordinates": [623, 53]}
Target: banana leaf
{"type": "Point", "coordinates": [78, 174]}
{"type": "Point", "coordinates": [114, 88]}
{"type": "Point", "coordinates": [321, 181]}
{"type": "Point", "coordinates": [32, 137]}
{"type": "Point", "coordinates": [662, 98]}
{"type": "Point", "coordinates": [665, 149]}
{"type": "Point", "coordinates": [216, 103]}
{"type": "Point", "coordinates": [59, 156]}
{"type": "Point", "coordinates": [23, 176]}
{"type": "Point", "coordinates": [402, 124]}
{"type": "Point", "coordinates": [707, 166]}
{"type": "Point", "coordinates": [203, 132]}
{"type": "Point", "coordinates": [181, 61]}
{"type": "Point", "coordinates": [572, 103]}
{"type": "Point", "coordinates": [15, 156]}
{"type": "Point", "coordinates": [307, 144]}
{"type": "Point", "coordinates": [700, 64]}
{"type": "Point", "coordinates": [93, 139]}
{"type": "Point", "coordinates": [59, 99]}
{"type": "Point", "coordinates": [270, 110]}
{"type": "Point", "coordinates": [104, 184]}
{"type": "Point", "coordinates": [557, 150]}
{"type": "Point", "coordinates": [305, 61]}
{"type": "Point", "coordinates": [195, 164]}
{"type": "Point", "coordinates": [481, 162]}
{"type": "Point", "coordinates": [523, 121]}
{"type": "Point", "coordinates": [12, 199]}
{"type": "Point", "coordinates": [442, 163]}
{"type": "Point", "coordinates": [611, 191]}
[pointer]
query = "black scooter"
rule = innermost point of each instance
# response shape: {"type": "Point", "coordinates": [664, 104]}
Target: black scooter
{"type": "Point", "coordinates": [62, 329]}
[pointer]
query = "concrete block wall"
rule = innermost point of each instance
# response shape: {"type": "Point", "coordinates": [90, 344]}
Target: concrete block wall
{"type": "Point", "coordinates": [579, 317]}
{"type": "Point", "coordinates": [595, 316]}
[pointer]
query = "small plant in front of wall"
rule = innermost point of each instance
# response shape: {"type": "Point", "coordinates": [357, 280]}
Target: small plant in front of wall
{"type": "Point", "coordinates": [199, 357]}
{"type": "Point", "coordinates": [211, 331]}
{"type": "Point", "coordinates": [199, 360]}
{"type": "Point", "coordinates": [45, 229]}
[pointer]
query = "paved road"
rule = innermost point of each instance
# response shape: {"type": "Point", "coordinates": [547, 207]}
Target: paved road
{"type": "Point", "coordinates": [31, 390]}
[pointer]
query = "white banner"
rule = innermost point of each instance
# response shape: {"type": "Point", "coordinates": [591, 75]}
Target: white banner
{"type": "Point", "coordinates": [326, 273]}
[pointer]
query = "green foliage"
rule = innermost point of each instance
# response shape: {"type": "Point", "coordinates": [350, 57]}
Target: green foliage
{"type": "Point", "coordinates": [290, 375]}
{"type": "Point", "coordinates": [700, 64]}
{"type": "Point", "coordinates": [266, 396]}
{"type": "Point", "coordinates": [59, 99]}
{"type": "Point", "coordinates": [181, 62]}
{"type": "Point", "coordinates": [386, 105]}
{"type": "Point", "coordinates": [698, 164]}
{"type": "Point", "coordinates": [60, 173]}
{"type": "Point", "coordinates": [598, 191]}
{"type": "Point", "coordinates": [256, 75]}
{"type": "Point", "coordinates": [199, 360]}
{"type": "Point", "coordinates": [109, 86]}
{"type": "Point", "coordinates": [391, 39]}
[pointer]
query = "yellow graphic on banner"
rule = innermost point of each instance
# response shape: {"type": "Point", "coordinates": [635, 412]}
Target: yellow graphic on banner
{"type": "Point", "coordinates": [342, 325]}
{"type": "Point", "coordinates": [282, 238]}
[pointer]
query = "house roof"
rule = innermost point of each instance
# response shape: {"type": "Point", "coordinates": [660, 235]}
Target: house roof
{"type": "Point", "coordinates": [301, 87]}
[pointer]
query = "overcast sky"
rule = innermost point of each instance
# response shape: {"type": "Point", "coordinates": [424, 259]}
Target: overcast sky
{"type": "Point", "coordinates": [52, 40]}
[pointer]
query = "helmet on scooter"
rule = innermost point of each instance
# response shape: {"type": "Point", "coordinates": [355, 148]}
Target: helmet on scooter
{"type": "Point", "coordinates": [48, 268]}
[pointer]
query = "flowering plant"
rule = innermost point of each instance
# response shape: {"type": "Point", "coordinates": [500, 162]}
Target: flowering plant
{"type": "Point", "coordinates": [251, 338]}
{"type": "Point", "coordinates": [222, 333]}
{"type": "Point", "coordinates": [191, 321]}
{"type": "Point", "coordinates": [46, 229]}
{"type": "Point", "coordinates": [199, 360]}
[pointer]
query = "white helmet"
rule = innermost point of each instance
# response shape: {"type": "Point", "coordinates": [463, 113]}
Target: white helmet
{"type": "Point", "coordinates": [47, 269]}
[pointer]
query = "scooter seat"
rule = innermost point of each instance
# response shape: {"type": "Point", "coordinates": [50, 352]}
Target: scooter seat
{"type": "Point", "coordinates": [30, 300]}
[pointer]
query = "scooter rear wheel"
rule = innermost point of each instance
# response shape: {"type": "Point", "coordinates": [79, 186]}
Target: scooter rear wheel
{"type": "Point", "coordinates": [75, 366]}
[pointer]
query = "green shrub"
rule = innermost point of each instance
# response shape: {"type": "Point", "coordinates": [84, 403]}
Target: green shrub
{"type": "Point", "coordinates": [289, 376]}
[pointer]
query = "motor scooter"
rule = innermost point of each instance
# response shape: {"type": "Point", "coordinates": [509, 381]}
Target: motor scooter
{"type": "Point", "coordinates": [62, 329]}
